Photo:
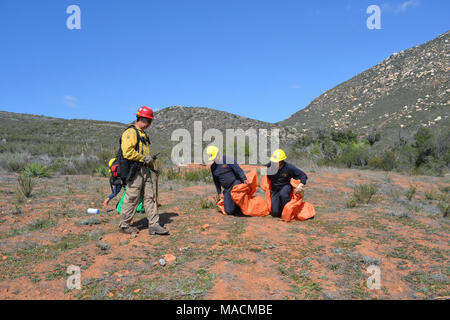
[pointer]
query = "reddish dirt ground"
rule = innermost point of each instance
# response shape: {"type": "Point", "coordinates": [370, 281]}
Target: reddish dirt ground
{"type": "Point", "coordinates": [227, 257]}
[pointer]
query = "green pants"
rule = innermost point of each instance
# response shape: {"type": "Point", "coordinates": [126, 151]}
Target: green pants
{"type": "Point", "coordinates": [140, 207]}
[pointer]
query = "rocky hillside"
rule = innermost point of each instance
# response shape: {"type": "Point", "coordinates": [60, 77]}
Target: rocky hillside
{"type": "Point", "coordinates": [408, 90]}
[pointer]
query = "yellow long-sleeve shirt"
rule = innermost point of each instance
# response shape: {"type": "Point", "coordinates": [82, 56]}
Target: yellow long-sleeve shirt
{"type": "Point", "coordinates": [129, 141]}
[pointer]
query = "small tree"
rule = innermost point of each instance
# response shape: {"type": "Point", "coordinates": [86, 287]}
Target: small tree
{"type": "Point", "coordinates": [373, 137]}
{"type": "Point", "coordinates": [389, 160]}
{"type": "Point", "coordinates": [329, 149]}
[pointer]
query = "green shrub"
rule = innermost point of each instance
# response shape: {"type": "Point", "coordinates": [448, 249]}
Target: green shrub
{"type": "Point", "coordinates": [444, 205]}
{"type": "Point", "coordinates": [40, 224]}
{"type": "Point", "coordinates": [26, 185]}
{"type": "Point", "coordinates": [346, 136]}
{"type": "Point", "coordinates": [305, 140]}
{"type": "Point", "coordinates": [16, 166]}
{"type": "Point", "coordinates": [445, 189]}
{"type": "Point", "coordinates": [389, 160]}
{"type": "Point", "coordinates": [173, 174]}
{"type": "Point", "coordinates": [395, 194]}
{"type": "Point", "coordinates": [20, 197]}
{"type": "Point", "coordinates": [411, 192]}
{"type": "Point", "coordinates": [207, 204]}
{"type": "Point", "coordinates": [373, 137]}
{"type": "Point", "coordinates": [58, 164]}
{"type": "Point", "coordinates": [430, 195]}
{"type": "Point", "coordinates": [431, 167]}
{"type": "Point", "coordinates": [37, 170]}
{"type": "Point", "coordinates": [63, 166]}
{"type": "Point", "coordinates": [102, 171]}
{"type": "Point", "coordinates": [198, 175]}
{"type": "Point", "coordinates": [329, 149]}
{"type": "Point", "coordinates": [83, 166]}
{"type": "Point", "coordinates": [424, 145]}
{"type": "Point", "coordinates": [376, 163]}
{"type": "Point", "coordinates": [355, 154]}
{"type": "Point", "coordinates": [316, 149]}
{"type": "Point", "coordinates": [363, 193]}
{"type": "Point", "coordinates": [351, 203]}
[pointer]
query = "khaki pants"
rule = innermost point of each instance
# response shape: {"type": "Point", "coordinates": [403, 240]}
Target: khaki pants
{"type": "Point", "coordinates": [141, 184]}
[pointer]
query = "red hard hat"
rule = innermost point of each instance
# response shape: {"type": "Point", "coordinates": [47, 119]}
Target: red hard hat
{"type": "Point", "coordinates": [145, 112]}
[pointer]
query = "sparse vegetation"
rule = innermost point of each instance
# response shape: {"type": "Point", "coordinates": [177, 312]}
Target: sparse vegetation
{"type": "Point", "coordinates": [425, 154]}
{"type": "Point", "coordinates": [189, 175]}
{"type": "Point", "coordinates": [411, 192]}
{"type": "Point", "coordinates": [363, 193]}
{"type": "Point", "coordinates": [37, 170]}
{"type": "Point", "coordinates": [207, 204]}
{"type": "Point", "coordinates": [26, 185]}
{"type": "Point", "coordinates": [103, 171]}
{"type": "Point", "coordinates": [444, 205]}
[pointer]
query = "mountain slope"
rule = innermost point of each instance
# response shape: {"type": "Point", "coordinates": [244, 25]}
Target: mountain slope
{"type": "Point", "coordinates": [408, 90]}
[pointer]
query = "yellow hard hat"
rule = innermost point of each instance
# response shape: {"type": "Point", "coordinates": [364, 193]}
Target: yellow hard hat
{"type": "Point", "coordinates": [278, 155]}
{"type": "Point", "coordinates": [211, 152]}
{"type": "Point", "coordinates": [111, 162]}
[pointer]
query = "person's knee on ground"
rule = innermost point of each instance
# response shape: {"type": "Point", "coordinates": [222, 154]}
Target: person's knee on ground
{"type": "Point", "coordinates": [285, 195]}
{"type": "Point", "coordinates": [228, 204]}
{"type": "Point", "coordinates": [276, 204]}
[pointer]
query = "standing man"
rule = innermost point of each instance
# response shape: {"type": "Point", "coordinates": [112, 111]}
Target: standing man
{"type": "Point", "coordinates": [226, 174]}
{"type": "Point", "coordinates": [134, 165]}
{"type": "Point", "coordinates": [280, 181]}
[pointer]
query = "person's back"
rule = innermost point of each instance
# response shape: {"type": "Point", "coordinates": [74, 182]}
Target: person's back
{"type": "Point", "coordinates": [227, 172]}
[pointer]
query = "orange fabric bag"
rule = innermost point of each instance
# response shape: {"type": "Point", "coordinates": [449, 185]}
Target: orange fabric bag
{"type": "Point", "coordinates": [296, 209]}
{"type": "Point", "coordinates": [243, 196]}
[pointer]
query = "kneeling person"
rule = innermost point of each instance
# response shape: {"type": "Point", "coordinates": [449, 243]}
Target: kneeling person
{"type": "Point", "coordinates": [280, 181]}
{"type": "Point", "coordinates": [226, 174]}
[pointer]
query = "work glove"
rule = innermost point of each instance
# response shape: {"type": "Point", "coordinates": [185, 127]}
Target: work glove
{"type": "Point", "coordinates": [148, 160]}
{"type": "Point", "coordinates": [299, 189]}
{"type": "Point", "coordinates": [156, 172]}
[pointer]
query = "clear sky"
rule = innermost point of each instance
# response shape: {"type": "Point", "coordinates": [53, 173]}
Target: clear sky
{"type": "Point", "coordinates": [260, 59]}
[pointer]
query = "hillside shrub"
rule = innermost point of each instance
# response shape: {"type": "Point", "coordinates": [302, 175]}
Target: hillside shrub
{"type": "Point", "coordinates": [37, 170]}
{"type": "Point", "coordinates": [26, 185]}
{"type": "Point", "coordinates": [363, 193]}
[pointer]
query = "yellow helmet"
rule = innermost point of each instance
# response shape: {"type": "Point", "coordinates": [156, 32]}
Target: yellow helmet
{"type": "Point", "coordinates": [211, 152]}
{"type": "Point", "coordinates": [110, 163]}
{"type": "Point", "coordinates": [278, 155]}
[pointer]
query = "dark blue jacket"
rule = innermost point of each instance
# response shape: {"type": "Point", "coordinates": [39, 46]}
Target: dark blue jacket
{"type": "Point", "coordinates": [284, 175]}
{"type": "Point", "coordinates": [226, 173]}
{"type": "Point", "coordinates": [115, 192]}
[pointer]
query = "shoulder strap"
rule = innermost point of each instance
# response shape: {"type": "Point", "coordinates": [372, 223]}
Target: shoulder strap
{"type": "Point", "coordinates": [136, 147]}
{"type": "Point", "coordinates": [138, 137]}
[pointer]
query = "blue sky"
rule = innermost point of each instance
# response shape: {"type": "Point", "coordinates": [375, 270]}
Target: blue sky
{"type": "Point", "coordinates": [260, 59]}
